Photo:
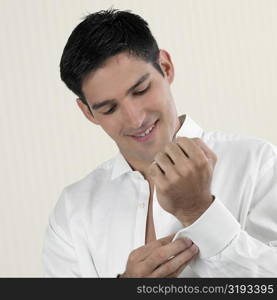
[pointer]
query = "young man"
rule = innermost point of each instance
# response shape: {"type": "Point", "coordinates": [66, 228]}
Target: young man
{"type": "Point", "coordinates": [175, 201]}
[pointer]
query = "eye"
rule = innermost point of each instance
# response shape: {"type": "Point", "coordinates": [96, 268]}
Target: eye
{"type": "Point", "coordinates": [142, 92]}
{"type": "Point", "coordinates": [110, 111]}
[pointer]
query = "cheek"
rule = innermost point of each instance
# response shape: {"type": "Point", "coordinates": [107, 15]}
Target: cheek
{"type": "Point", "coordinates": [162, 94]}
{"type": "Point", "coordinates": [111, 127]}
{"type": "Point", "coordinates": [157, 100]}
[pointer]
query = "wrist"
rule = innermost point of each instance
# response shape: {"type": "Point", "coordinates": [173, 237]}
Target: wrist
{"type": "Point", "coordinates": [188, 218]}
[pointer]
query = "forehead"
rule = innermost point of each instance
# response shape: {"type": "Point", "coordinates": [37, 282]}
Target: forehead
{"type": "Point", "coordinates": [118, 74]}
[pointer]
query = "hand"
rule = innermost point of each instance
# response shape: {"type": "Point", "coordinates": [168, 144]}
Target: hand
{"type": "Point", "coordinates": [182, 174]}
{"type": "Point", "coordinates": [161, 258]}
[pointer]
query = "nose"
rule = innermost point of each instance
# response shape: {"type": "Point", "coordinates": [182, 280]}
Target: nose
{"type": "Point", "coordinates": [132, 114]}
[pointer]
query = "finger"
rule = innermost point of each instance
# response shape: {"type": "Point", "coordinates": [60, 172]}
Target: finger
{"type": "Point", "coordinates": [178, 271]}
{"type": "Point", "coordinates": [175, 153]}
{"type": "Point", "coordinates": [157, 174]}
{"type": "Point", "coordinates": [175, 265]}
{"type": "Point", "coordinates": [208, 152]}
{"type": "Point", "coordinates": [165, 163]}
{"type": "Point", "coordinates": [165, 240]}
{"type": "Point", "coordinates": [162, 254]}
{"type": "Point", "coordinates": [181, 268]}
{"type": "Point", "coordinates": [192, 149]}
{"type": "Point", "coordinates": [142, 252]}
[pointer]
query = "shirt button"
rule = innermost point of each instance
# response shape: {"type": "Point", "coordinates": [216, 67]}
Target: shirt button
{"type": "Point", "coordinates": [141, 205]}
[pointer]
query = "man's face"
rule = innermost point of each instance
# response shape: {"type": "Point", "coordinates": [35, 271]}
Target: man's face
{"type": "Point", "coordinates": [132, 102]}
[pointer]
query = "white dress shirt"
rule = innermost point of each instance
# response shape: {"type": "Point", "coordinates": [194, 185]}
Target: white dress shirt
{"type": "Point", "coordinates": [100, 219]}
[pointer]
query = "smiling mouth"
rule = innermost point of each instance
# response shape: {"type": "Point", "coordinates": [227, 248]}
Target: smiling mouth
{"type": "Point", "coordinates": [147, 134]}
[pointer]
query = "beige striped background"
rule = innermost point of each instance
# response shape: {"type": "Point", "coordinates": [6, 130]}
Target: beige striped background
{"type": "Point", "coordinates": [226, 70]}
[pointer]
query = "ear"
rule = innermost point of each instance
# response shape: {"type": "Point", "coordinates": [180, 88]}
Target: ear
{"type": "Point", "coordinates": [166, 65]}
{"type": "Point", "coordinates": [84, 108]}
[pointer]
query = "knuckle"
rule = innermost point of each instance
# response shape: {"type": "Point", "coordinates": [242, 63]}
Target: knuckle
{"type": "Point", "coordinates": [161, 254]}
{"type": "Point", "coordinates": [132, 256]}
{"type": "Point", "coordinates": [188, 170]}
{"type": "Point", "coordinates": [202, 163]}
{"type": "Point", "coordinates": [159, 155]}
{"type": "Point", "coordinates": [197, 140]}
{"type": "Point", "coordinates": [160, 242]}
{"type": "Point", "coordinates": [183, 243]}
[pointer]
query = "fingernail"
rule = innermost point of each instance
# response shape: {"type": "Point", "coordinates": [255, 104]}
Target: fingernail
{"type": "Point", "coordinates": [194, 248]}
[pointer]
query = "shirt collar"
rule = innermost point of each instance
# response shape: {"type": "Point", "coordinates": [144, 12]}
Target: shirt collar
{"type": "Point", "coordinates": [120, 166]}
{"type": "Point", "coordinates": [189, 129]}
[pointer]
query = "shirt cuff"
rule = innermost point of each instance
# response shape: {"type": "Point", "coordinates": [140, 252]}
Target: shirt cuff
{"type": "Point", "coordinates": [212, 231]}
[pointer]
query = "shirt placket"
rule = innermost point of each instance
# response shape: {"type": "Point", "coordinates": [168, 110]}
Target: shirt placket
{"type": "Point", "coordinates": [142, 209]}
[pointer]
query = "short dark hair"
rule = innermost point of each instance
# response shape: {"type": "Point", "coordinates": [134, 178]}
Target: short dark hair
{"type": "Point", "coordinates": [101, 35]}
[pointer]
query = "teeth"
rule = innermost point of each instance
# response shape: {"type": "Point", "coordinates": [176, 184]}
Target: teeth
{"type": "Point", "coordinates": [147, 131]}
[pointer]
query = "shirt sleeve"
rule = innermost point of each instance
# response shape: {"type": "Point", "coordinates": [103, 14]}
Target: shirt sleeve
{"type": "Point", "coordinates": [59, 258]}
{"type": "Point", "coordinates": [226, 249]}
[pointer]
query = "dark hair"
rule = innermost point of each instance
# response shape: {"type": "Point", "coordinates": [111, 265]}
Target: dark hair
{"type": "Point", "coordinates": [101, 35]}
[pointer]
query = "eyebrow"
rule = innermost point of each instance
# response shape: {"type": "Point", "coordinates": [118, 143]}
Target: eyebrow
{"type": "Point", "coordinates": [110, 101]}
